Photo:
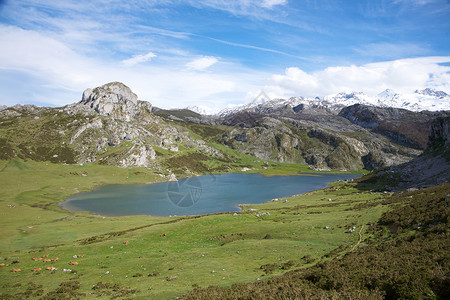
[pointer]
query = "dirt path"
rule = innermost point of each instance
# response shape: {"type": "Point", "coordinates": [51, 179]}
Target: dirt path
{"type": "Point", "coordinates": [360, 239]}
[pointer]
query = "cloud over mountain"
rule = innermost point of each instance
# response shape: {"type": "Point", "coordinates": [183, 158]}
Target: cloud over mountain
{"type": "Point", "coordinates": [404, 75]}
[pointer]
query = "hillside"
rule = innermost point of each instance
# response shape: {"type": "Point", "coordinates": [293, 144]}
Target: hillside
{"type": "Point", "coordinates": [407, 257]}
{"type": "Point", "coordinates": [110, 126]}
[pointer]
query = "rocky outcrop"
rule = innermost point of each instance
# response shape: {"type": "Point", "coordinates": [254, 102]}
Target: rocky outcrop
{"type": "Point", "coordinates": [324, 143]}
{"type": "Point", "coordinates": [439, 136]}
{"type": "Point", "coordinates": [430, 168]}
{"type": "Point", "coordinates": [401, 126]}
{"type": "Point", "coordinates": [113, 99]}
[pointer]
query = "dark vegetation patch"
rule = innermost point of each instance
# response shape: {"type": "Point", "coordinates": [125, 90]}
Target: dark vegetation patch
{"type": "Point", "coordinates": [32, 290]}
{"type": "Point", "coordinates": [228, 238]}
{"type": "Point", "coordinates": [379, 180]}
{"type": "Point", "coordinates": [192, 162]}
{"type": "Point", "coordinates": [208, 132]}
{"type": "Point", "coordinates": [183, 114]}
{"type": "Point", "coordinates": [114, 290]}
{"type": "Point", "coordinates": [270, 268]}
{"type": "Point", "coordinates": [413, 263]}
{"type": "Point", "coordinates": [66, 290]}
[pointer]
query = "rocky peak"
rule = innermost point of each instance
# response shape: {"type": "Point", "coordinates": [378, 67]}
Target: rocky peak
{"type": "Point", "coordinates": [114, 92]}
{"type": "Point", "coordinates": [431, 92]}
{"type": "Point", "coordinates": [387, 94]}
{"type": "Point", "coordinates": [113, 99]}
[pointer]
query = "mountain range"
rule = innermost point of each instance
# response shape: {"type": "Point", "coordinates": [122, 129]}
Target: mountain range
{"type": "Point", "coordinates": [420, 100]}
{"type": "Point", "coordinates": [109, 125]}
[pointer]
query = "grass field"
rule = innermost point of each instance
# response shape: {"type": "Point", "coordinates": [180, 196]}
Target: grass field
{"type": "Point", "coordinates": [156, 257]}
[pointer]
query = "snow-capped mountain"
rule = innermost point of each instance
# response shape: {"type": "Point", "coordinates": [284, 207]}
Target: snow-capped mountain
{"type": "Point", "coordinates": [420, 100]}
{"type": "Point", "coordinates": [203, 110]}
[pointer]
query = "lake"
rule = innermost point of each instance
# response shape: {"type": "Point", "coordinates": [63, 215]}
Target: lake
{"type": "Point", "coordinates": [196, 195]}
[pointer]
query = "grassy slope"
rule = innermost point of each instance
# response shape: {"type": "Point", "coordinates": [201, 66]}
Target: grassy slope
{"type": "Point", "coordinates": [407, 257]}
{"type": "Point", "coordinates": [233, 246]}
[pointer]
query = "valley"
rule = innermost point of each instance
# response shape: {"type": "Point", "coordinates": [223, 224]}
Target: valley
{"type": "Point", "coordinates": [323, 243]}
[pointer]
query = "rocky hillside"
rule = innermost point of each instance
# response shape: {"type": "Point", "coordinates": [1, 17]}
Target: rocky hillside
{"type": "Point", "coordinates": [430, 168]}
{"type": "Point", "coordinates": [357, 136]}
{"type": "Point", "coordinates": [109, 125]}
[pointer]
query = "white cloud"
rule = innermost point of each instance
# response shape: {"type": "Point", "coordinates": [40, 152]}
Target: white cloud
{"type": "Point", "coordinates": [48, 72]}
{"type": "Point", "coordinates": [271, 3]}
{"type": "Point", "coordinates": [138, 59]}
{"type": "Point", "coordinates": [202, 63]}
{"type": "Point", "coordinates": [404, 75]}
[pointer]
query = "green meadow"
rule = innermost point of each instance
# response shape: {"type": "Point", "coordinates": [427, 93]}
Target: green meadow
{"type": "Point", "coordinates": [162, 257]}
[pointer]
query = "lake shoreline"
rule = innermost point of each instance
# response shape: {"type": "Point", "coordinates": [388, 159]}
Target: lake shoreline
{"type": "Point", "coordinates": [158, 205]}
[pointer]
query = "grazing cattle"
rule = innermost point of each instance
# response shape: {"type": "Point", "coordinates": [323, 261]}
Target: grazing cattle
{"type": "Point", "coordinates": [47, 260]}
{"type": "Point", "coordinates": [55, 259]}
{"type": "Point", "coordinates": [73, 263]}
{"type": "Point", "coordinates": [15, 262]}
{"type": "Point", "coordinates": [50, 268]}
{"type": "Point", "coordinates": [126, 242]}
{"type": "Point", "coordinates": [37, 269]}
{"type": "Point", "coordinates": [45, 256]}
{"type": "Point", "coordinates": [80, 255]}
{"type": "Point", "coordinates": [2, 265]}
{"type": "Point", "coordinates": [162, 234]}
{"type": "Point", "coordinates": [16, 270]}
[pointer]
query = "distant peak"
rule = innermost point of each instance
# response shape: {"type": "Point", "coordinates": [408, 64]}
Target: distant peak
{"type": "Point", "coordinates": [387, 94]}
{"type": "Point", "coordinates": [431, 92]}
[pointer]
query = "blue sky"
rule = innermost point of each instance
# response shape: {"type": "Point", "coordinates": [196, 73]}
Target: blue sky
{"type": "Point", "coordinates": [217, 53]}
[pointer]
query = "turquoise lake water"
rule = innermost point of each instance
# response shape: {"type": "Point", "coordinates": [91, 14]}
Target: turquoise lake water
{"type": "Point", "coordinates": [197, 195]}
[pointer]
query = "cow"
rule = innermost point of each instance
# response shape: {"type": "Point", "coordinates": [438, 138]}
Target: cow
{"type": "Point", "coordinates": [45, 256]}
{"type": "Point", "coordinates": [16, 270]}
{"type": "Point", "coordinates": [37, 269]}
{"type": "Point", "coordinates": [47, 260]}
{"type": "Point", "coordinates": [2, 265]}
{"type": "Point", "coordinates": [162, 234]}
{"type": "Point", "coordinates": [126, 242]}
{"type": "Point", "coordinates": [55, 259]}
{"type": "Point", "coordinates": [80, 255]}
{"type": "Point", "coordinates": [50, 268]}
{"type": "Point", "coordinates": [73, 263]}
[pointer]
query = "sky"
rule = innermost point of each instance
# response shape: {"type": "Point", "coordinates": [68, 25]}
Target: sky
{"type": "Point", "coordinates": [220, 53]}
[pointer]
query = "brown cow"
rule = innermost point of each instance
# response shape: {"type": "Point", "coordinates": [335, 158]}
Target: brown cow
{"type": "Point", "coordinates": [37, 269]}
{"type": "Point", "coordinates": [162, 234]}
{"type": "Point", "coordinates": [80, 255]}
{"type": "Point", "coordinates": [50, 268]}
{"type": "Point", "coordinates": [2, 265]}
{"type": "Point", "coordinates": [16, 270]}
{"type": "Point", "coordinates": [73, 263]}
{"type": "Point", "coordinates": [55, 259]}
{"type": "Point", "coordinates": [126, 242]}
{"type": "Point", "coordinates": [47, 260]}
{"type": "Point", "coordinates": [45, 256]}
